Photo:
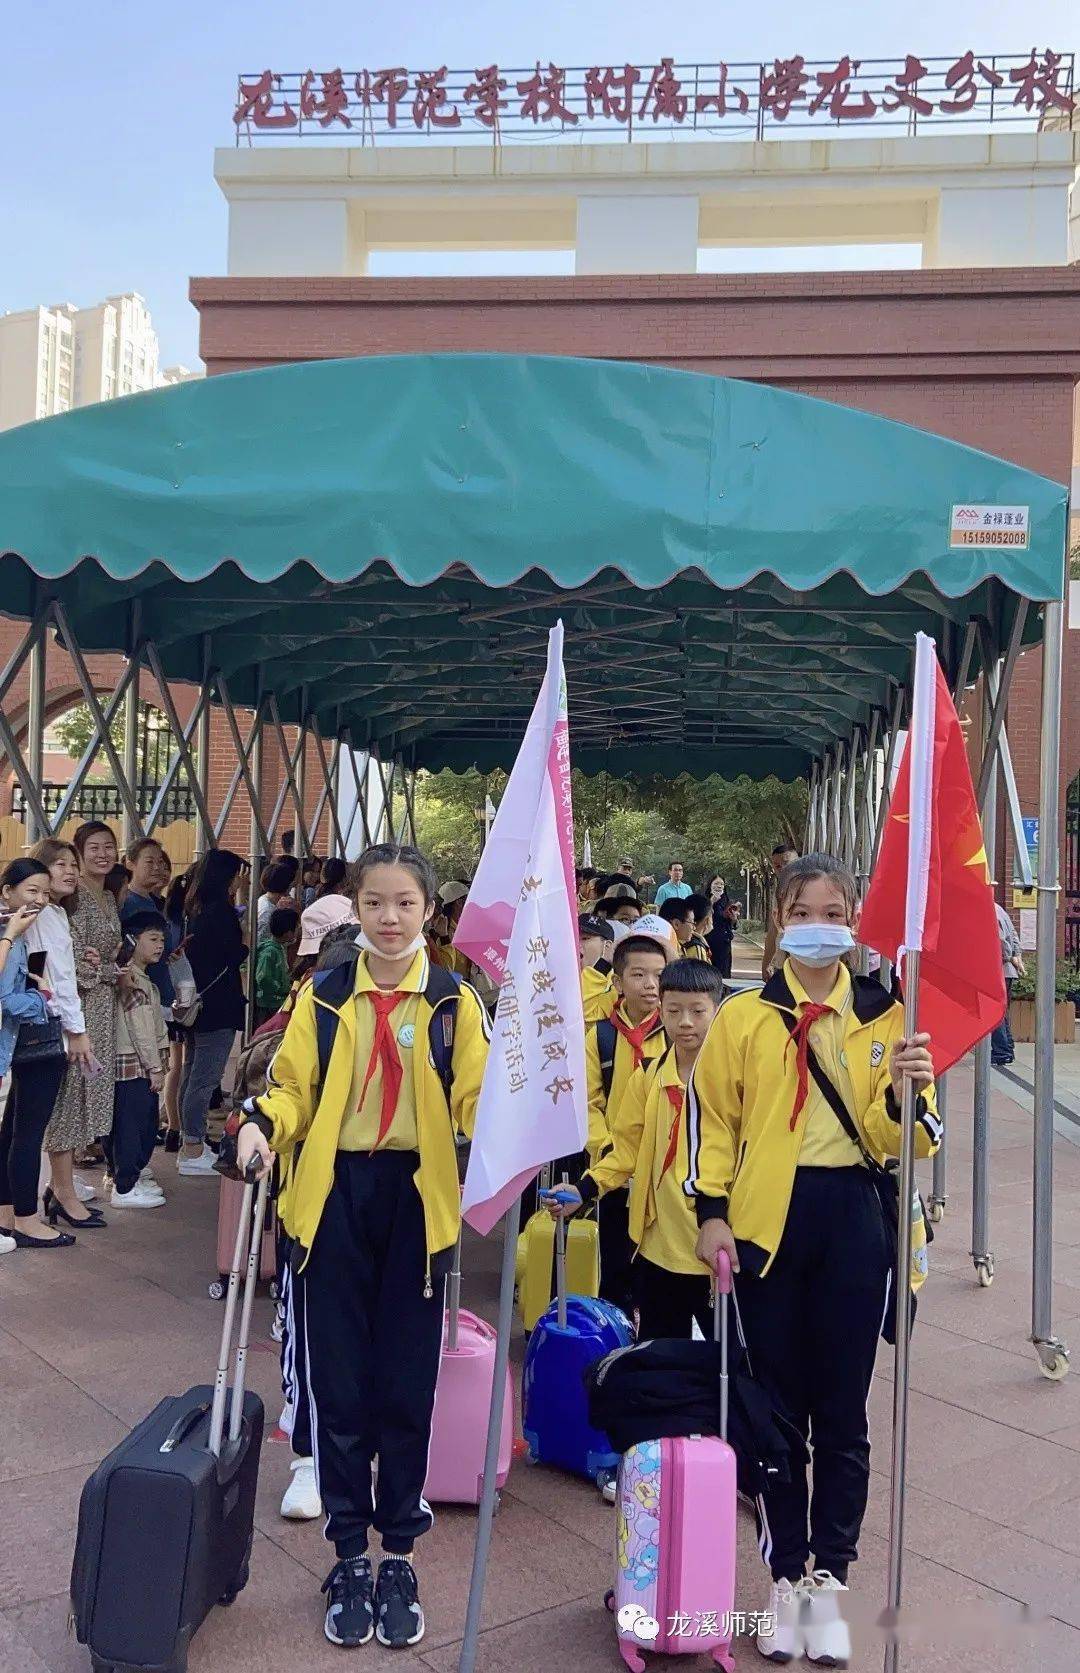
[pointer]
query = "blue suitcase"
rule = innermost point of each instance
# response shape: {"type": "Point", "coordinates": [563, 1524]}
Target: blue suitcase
{"type": "Point", "coordinates": [571, 1335]}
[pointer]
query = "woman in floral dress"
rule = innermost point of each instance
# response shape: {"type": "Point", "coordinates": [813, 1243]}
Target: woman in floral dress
{"type": "Point", "coordinates": [84, 1109]}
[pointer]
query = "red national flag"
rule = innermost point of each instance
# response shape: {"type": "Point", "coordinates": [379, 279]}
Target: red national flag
{"type": "Point", "coordinates": [961, 976]}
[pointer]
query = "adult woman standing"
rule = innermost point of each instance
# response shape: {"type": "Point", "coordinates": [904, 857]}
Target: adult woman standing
{"type": "Point", "coordinates": [216, 950]}
{"type": "Point", "coordinates": [24, 892]}
{"type": "Point", "coordinates": [50, 934]}
{"type": "Point", "coordinates": [84, 1109]}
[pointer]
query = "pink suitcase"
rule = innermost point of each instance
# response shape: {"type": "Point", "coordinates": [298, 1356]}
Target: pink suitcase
{"type": "Point", "coordinates": [462, 1401]}
{"type": "Point", "coordinates": [675, 1537]}
{"type": "Point", "coordinates": [230, 1202]}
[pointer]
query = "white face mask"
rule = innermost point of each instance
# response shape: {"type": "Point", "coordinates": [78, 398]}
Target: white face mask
{"type": "Point", "coordinates": [409, 952]}
{"type": "Point", "coordinates": [817, 945]}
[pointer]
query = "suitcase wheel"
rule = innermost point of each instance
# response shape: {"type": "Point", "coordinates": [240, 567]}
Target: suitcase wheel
{"type": "Point", "coordinates": [216, 1290]}
{"type": "Point", "coordinates": [275, 1289]}
{"type": "Point", "coordinates": [233, 1591]}
{"type": "Point", "coordinates": [609, 1600]}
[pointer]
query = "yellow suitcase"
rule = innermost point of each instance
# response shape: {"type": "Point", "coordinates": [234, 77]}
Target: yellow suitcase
{"type": "Point", "coordinates": [535, 1263]}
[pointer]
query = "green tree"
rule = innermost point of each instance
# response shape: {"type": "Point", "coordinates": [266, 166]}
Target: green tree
{"type": "Point", "coordinates": [711, 824]}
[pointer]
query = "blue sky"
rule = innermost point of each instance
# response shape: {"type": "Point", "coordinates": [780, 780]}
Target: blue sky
{"type": "Point", "coordinates": [114, 109]}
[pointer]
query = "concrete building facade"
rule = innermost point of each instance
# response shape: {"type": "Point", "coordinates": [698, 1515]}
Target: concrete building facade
{"type": "Point", "coordinates": [1000, 199]}
{"type": "Point", "coordinates": [36, 365]}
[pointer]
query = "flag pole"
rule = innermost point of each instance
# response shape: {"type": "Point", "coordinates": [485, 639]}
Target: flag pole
{"type": "Point", "coordinates": [507, 1275]}
{"type": "Point", "coordinates": [902, 1281]}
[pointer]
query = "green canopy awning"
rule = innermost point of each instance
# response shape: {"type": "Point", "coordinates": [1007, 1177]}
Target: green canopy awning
{"type": "Point", "coordinates": [741, 570]}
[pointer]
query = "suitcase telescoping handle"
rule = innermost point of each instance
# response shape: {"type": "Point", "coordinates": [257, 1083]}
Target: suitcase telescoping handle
{"type": "Point", "coordinates": [560, 1265]}
{"type": "Point", "coordinates": [453, 1293]}
{"type": "Point", "coordinates": [721, 1305]}
{"type": "Point", "coordinates": [248, 1238]}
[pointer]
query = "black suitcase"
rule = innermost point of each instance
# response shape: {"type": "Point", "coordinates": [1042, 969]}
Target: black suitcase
{"type": "Point", "coordinates": [165, 1522]}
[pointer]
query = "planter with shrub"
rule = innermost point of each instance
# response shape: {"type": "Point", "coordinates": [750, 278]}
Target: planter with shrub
{"type": "Point", "coordinates": [1022, 1009]}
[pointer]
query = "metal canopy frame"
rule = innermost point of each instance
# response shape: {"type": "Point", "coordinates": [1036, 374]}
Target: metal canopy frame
{"type": "Point", "coordinates": [683, 663]}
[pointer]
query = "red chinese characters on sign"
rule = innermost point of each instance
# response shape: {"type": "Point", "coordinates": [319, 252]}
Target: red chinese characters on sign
{"type": "Point", "coordinates": [904, 93]}
{"type": "Point", "coordinates": [835, 86]}
{"type": "Point", "coordinates": [332, 105]}
{"type": "Point", "coordinates": [543, 97]}
{"type": "Point", "coordinates": [256, 104]}
{"type": "Point", "coordinates": [663, 95]}
{"type": "Point", "coordinates": [610, 93]}
{"type": "Point", "coordinates": [485, 95]}
{"type": "Point", "coordinates": [432, 104]}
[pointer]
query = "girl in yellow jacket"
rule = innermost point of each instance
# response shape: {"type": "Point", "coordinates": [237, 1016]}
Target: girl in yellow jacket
{"type": "Point", "coordinates": [381, 1060]}
{"type": "Point", "coordinates": [777, 1181]}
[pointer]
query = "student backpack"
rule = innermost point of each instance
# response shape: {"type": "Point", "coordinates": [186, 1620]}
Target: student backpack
{"type": "Point", "coordinates": [442, 993]}
{"type": "Point", "coordinates": [607, 1038]}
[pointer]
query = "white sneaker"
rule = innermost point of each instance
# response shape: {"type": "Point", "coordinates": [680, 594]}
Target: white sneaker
{"type": "Point", "coordinates": [83, 1189]}
{"type": "Point", "coordinates": [302, 1502]}
{"type": "Point", "coordinates": [136, 1198]}
{"type": "Point", "coordinates": [149, 1184]}
{"type": "Point", "coordinates": [780, 1636]}
{"type": "Point", "coordinates": [196, 1167]}
{"type": "Point", "coordinates": [827, 1641]}
{"type": "Point", "coordinates": [7, 1243]}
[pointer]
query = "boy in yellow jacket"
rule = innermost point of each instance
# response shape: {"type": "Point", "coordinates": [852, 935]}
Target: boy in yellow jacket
{"type": "Point", "coordinates": [381, 1060]}
{"type": "Point", "coordinates": [670, 1284]}
{"type": "Point", "coordinates": [783, 1184]}
{"type": "Point", "coordinates": [616, 1045]}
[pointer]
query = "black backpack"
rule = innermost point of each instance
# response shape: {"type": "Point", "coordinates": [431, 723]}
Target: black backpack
{"type": "Point", "coordinates": [442, 993]}
{"type": "Point", "coordinates": [671, 1387]}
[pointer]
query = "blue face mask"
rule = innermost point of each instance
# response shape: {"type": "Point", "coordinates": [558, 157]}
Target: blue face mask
{"type": "Point", "coordinates": [817, 945]}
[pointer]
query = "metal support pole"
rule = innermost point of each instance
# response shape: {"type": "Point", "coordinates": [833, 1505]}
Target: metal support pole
{"type": "Point", "coordinates": [835, 808]}
{"type": "Point", "coordinates": [204, 837]}
{"type": "Point", "coordinates": [35, 730]}
{"type": "Point", "coordinates": [981, 1253]}
{"type": "Point", "coordinates": [825, 802]}
{"type": "Point", "coordinates": [938, 1196]}
{"type": "Point", "coordinates": [811, 812]}
{"type": "Point", "coordinates": [902, 1280]}
{"type": "Point", "coordinates": [511, 1222]}
{"type": "Point", "coordinates": [131, 723]}
{"type": "Point", "coordinates": [301, 845]}
{"type": "Point", "coordinates": [1053, 1355]}
{"type": "Point", "coordinates": [337, 774]}
{"type": "Point", "coordinates": [255, 841]}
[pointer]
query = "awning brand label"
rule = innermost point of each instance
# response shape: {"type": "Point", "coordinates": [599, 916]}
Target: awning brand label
{"type": "Point", "coordinates": [989, 525]}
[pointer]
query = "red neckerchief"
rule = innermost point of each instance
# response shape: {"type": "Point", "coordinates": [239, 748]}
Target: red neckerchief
{"type": "Point", "coordinates": [675, 1099]}
{"type": "Point", "coordinates": [384, 1051]}
{"type": "Point", "coordinates": [800, 1039]}
{"type": "Point", "coordinates": [636, 1037]}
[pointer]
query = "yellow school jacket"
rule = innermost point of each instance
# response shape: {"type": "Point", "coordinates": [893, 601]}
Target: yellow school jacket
{"type": "Point", "coordinates": [742, 1152]}
{"type": "Point", "coordinates": [663, 1225]}
{"type": "Point", "coordinates": [294, 1110]}
{"type": "Point", "coordinates": [602, 1102]}
{"type": "Point", "coordinates": [598, 995]}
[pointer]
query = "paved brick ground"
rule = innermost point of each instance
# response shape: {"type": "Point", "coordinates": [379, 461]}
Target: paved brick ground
{"type": "Point", "coordinates": [89, 1339]}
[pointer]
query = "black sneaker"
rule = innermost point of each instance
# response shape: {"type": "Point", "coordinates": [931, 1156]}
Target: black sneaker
{"type": "Point", "coordinates": [397, 1604]}
{"type": "Point", "coordinates": [350, 1611]}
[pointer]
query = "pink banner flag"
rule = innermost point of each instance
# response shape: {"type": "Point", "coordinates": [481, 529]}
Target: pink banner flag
{"type": "Point", "coordinates": [520, 925]}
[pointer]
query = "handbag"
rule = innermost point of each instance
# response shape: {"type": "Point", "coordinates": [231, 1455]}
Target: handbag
{"type": "Point", "coordinates": [185, 1015]}
{"type": "Point", "coordinates": [37, 1042]}
{"type": "Point", "coordinates": [885, 1181]}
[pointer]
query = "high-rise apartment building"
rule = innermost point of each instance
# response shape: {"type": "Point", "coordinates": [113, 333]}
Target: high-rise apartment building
{"type": "Point", "coordinates": [116, 349]}
{"type": "Point", "coordinates": [60, 357]}
{"type": "Point", "coordinates": [36, 364]}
